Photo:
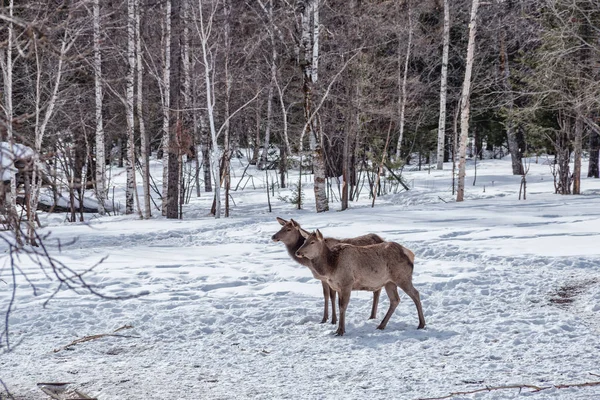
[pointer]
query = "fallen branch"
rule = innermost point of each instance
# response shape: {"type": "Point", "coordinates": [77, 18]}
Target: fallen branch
{"type": "Point", "coordinates": [94, 337]}
{"type": "Point", "coordinates": [62, 391]}
{"type": "Point", "coordinates": [520, 387]}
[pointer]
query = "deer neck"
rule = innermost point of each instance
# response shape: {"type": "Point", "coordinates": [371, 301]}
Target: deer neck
{"type": "Point", "coordinates": [292, 249]}
{"type": "Point", "coordinates": [325, 263]}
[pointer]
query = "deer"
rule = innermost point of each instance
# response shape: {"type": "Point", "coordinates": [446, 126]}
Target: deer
{"type": "Point", "coordinates": [293, 236]}
{"type": "Point", "coordinates": [346, 267]}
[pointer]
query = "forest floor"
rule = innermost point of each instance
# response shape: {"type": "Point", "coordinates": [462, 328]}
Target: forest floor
{"type": "Point", "coordinates": [510, 291]}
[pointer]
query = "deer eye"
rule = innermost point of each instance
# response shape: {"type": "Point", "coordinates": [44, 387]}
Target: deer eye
{"type": "Point", "coordinates": [313, 242]}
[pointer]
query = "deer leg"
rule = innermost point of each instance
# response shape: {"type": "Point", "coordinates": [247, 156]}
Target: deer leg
{"type": "Point", "coordinates": [410, 290]}
{"type": "Point", "coordinates": [392, 291]}
{"type": "Point", "coordinates": [344, 300]}
{"type": "Point", "coordinates": [375, 304]}
{"type": "Point", "coordinates": [332, 295]}
{"type": "Point", "coordinates": [326, 297]}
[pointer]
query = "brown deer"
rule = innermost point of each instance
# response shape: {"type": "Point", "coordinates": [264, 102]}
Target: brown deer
{"type": "Point", "coordinates": [292, 235]}
{"type": "Point", "coordinates": [347, 267]}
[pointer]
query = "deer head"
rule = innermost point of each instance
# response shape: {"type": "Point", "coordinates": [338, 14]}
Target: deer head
{"type": "Point", "coordinates": [289, 233]}
{"type": "Point", "coordinates": [312, 246]}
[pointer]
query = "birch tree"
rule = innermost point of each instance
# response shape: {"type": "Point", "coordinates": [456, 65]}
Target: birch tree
{"type": "Point", "coordinates": [204, 29]}
{"type": "Point", "coordinates": [100, 146]}
{"type": "Point", "coordinates": [175, 124]}
{"type": "Point", "coordinates": [465, 103]}
{"type": "Point", "coordinates": [44, 111]}
{"type": "Point", "coordinates": [165, 97]}
{"type": "Point", "coordinates": [131, 189]}
{"type": "Point", "coordinates": [273, 75]}
{"type": "Point", "coordinates": [402, 78]}
{"type": "Point", "coordinates": [309, 56]}
{"type": "Point", "coordinates": [144, 139]}
{"type": "Point", "coordinates": [6, 63]}
{"type": "Point", "coordinates": [443, 88]}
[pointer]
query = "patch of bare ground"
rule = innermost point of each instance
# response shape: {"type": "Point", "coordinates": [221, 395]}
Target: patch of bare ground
{"type": "Point", "coordinates": [568, 293]}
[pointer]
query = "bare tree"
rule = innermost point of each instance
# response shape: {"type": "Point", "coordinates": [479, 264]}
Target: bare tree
{"type": "Point", "coordinates": [402, 81]}
{"type": "Point", "coordinates": [144, 139]}
{"type": "Point", "coordinates": [100, 145]}
{"type": "Point", "coordinates": [443, 88]}
{"type": "Point", "coordinates": [309, 55]}
{"type": "Point", "coordinates": [465, 103]}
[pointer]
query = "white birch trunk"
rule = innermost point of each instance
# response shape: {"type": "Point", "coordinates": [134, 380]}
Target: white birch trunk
{"type": "Point", "coordinates": [100, 151]}
{"type": "Point", "coordinates": [215, 155]}
{"type": "Point", "coordinates": [263, 162]}
{"type": "Point", "coordinates": [166, 87]}
{"type": "Point", "coordinates": [225, 177]}
{"type": "Point", "coordinates": [306, 55]}
{"type": "Point", "coordinates": [40, 129]}
{"type": "Point", "coordinates": [6, 62]}
{"type": "Point", "coordinates": [186, 61]}
{"type": "Point", "coordinates": [144, 139]}
{"type": "Point", "coordinates": [443, 88]}
{"type": "Point", "coordinates": [315, 41]}
{"type": "Point", "coordinates": [285, 120]}
{"type": "Point", "coordinates": [130, 161]}
{"type": "Point", "coordinates": [465, 104]}
{"type": "Point", "coordinates": [402, 84]}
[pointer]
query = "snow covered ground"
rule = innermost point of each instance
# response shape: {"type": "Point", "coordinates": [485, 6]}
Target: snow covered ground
{"type": "Point", "coordinates": [510, 290]}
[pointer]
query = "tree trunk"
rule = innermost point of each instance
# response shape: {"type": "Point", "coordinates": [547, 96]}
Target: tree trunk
{"type": "Point", "coordinates": [130, 160]}
{"type": "Point", "coordinates": [593, 168]}
{"type": "Point", "coordinates": [40, 127]}
{"type": "Point", "coordinates": [215, 153]}
{"type": "Point", "coordinates": [465, 103]}
{"type": "Point", "coordinates": [308, 55]}
{"type": "Point", "coordinates": [175, 122]}
{"type": "Point", "coordinates": [443, 88]}
{"type": "Point", "coordinates": [100, 150]}
{"type": "Point", "coordinates": [144, 139]}
{"type": "Point", "coordinates": [402, 83]}
{"type": "Point", "coordinates": [226, 144]}
{"type": "Point", "coordinates": [515, 150]}
{"type": "Point", "coordinates": [166, 93]}
{"type": "Point", "coordinates": [205, 144]}
{"type": "Point", "coordinates": [265, 153]}
{"type": "Point", "coordinates": [577, 151]}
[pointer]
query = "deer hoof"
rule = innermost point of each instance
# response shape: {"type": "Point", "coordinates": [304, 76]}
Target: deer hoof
{"type": "Point", "coordinates": [421, 326]}
{"type": "Point", "coordinates": [334, 321]}
{"type": "Point", "coordinates": [339, 332]}
{"type": "Point", "coordinates": [324, 320]}
{"type": "Point", "coordinates": [381, 327]}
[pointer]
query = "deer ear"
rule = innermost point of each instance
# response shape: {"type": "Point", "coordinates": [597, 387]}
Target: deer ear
{"type": "Point", "coordinates": [304, 234]}
{"type": "Point", "coordinates": [294, 223]}
{"type": "Point", "coordinates": [281, 221]}
{"type": "Point", "coordinates": [319, 235]}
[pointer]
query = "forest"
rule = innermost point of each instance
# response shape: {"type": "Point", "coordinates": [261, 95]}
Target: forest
{"type": "Point", "coordinates": [340, 89]}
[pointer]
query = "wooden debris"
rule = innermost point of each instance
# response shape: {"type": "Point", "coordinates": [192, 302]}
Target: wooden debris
{"type": "Point", "coordinates": [520, 387]}
{"type": "Point", "coordinates": [94, 337]}
{"type": "Point", "coordinates": [63, 391]}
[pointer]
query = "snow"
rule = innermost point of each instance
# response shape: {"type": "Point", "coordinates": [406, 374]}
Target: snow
{"type": "Point", "coordinates": [510, 291]}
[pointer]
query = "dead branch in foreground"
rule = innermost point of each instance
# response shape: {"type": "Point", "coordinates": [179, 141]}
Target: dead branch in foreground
{"type": "Point", "coordinates": [63, 391]}
{"type": "Point", "coordinates": [94, 337]}
{"type": "Point", "coordinates": [520, 387]}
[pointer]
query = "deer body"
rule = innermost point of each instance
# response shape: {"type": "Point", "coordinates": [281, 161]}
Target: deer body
{"type": "Point", "coordinates": [292, 235]}
{"type": "Point", "coordinates": [347, 267]}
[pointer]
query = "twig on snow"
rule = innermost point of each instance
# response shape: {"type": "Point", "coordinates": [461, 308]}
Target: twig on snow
{"type": "Point", "coordinates": [520, 387]}
{"type": "Point", "coordinates": [94, 337]}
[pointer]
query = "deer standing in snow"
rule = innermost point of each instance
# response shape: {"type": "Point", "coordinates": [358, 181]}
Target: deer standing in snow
{"type": "Point", "coordinates": [292, 235]}
{"type": "Point", "coordinates": [346, 267]}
